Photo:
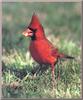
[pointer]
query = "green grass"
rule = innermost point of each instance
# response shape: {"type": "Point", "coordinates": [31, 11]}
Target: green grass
{"type": "Point", "coordinates": [62, 25]}
{"type": "Point", "coordinates": [69, 85]}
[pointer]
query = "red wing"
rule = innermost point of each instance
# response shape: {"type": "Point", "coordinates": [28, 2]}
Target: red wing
{"type": "Point", "coordinates": [54, 50]}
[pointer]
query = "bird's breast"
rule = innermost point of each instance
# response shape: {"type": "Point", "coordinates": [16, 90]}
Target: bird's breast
{"type": "Point", "coordinates": [41, 52]}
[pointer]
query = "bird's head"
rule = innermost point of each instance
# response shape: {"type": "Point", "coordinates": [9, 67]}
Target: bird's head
{"type": "Point", "coordinates": [35, 29]}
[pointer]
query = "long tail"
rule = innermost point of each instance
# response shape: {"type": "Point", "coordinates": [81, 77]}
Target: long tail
{"type": "Point", "coordinates": [66, 56]}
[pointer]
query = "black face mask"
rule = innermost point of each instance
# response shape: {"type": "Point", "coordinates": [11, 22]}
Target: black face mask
{"type": "Point", "coordinates": [33, 37]}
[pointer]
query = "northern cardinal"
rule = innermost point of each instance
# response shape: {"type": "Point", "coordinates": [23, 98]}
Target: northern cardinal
{"type": "Point", "coordinates": [41, 48]}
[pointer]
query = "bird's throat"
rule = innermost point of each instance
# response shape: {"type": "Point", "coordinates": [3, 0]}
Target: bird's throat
{"type": "Point", "coordinates": [33, 37]}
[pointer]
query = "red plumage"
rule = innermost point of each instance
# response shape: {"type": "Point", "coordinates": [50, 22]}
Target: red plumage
{"type": "Point", "coordinates": [40, 48]}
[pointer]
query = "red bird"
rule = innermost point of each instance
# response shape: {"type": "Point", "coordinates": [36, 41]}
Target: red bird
{"type": "Point", "coordinates": [41, 48]}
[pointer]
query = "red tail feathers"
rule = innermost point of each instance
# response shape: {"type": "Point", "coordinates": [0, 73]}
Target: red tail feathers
{"type": "Point", "coordinates": [66, 56]}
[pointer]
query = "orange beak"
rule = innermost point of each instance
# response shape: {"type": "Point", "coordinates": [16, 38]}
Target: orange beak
{"type": "Point", "coordinates": [27, 33]}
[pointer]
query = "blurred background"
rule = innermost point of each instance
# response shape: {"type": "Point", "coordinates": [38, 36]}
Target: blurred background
{"type": "Point", "coordinates": [62, 25]}
{"type": "Point", "coordinates": [58, 19]}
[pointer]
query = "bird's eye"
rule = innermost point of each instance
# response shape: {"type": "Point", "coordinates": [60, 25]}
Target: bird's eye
{"type": "Point", "coordinates": [33, 30]}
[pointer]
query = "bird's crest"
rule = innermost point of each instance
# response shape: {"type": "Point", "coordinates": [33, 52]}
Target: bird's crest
{"type": "Point", "coordinates": [35, 23]}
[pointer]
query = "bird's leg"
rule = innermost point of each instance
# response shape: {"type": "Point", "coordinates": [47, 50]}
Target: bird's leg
{"type": "Point", "coordinates": [53, 76]}
{"type": "Point", "coordinates": [59, 75]}
{"type": "Point", "coordinates": [59, 70]}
